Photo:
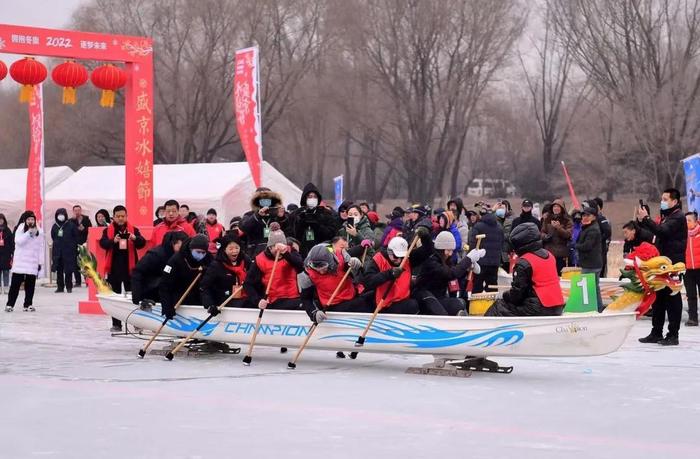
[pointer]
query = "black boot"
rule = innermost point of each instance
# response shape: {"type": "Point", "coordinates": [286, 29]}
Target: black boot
{"type": "Point", "coordinates": [652, 338]}
{"type": "Point", "coordinates": [692, 322]}
{"type": "Point", "coordinates": [670, 340]}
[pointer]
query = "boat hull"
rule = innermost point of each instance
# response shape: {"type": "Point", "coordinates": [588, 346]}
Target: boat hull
{"type": "Point", "coordinates": [442, 336]}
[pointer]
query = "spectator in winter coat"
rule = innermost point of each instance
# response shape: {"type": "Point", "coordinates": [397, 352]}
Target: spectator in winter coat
{"type": "Point", "coordinates": [576, 217]}
{"type": "Point", "coordinates": [343, 211]}
{"type": "Point", "coordinates": [66, 238]}
{"type": "Point", "coordinates": [284, 290]}
{"type": "Point", "coordinates": [605, 234]}
{"type": "Point", "coordinates": [121, 240]}
{"type": "Point", "coordinates": [634, 235]}
{"type": "Point", "coordinates": [526, 215]}
{"type": "Point", "coordinates": [7, 249]}
{"type": "Point", "coordinates": [535, 289]}
{"type": "Point", "coordinates": [266, 207]}
{"type": "Point", "coordinates": [148, 272]}
{"type": "Point", "coordinates": [461, 220]}
{"type": "Point", "coordinates": [440, 276]}
{"type": "Point", "coordinates": [160, 216]}
{"type": "Point", "coordinates": [418, 216]}
{"type": "Point", "coordinates": [357, 231]}
{"type": "Point", "coordinates": [504, 216]}
{"type": "Point", "coordinates": [692, 268]}
{"type": "Point", "coordinates": [493, 243]}
{"type": "Point", "coordinates": [395, 226]}
{"type": "Point", "coordinates": [446, 222]}
{"type": "Point", "coordinates": [214, 229]}
{"type": "Point", "coordinates": [590, 255]}
{"type": "Point", "coordinates": [557, 232]}
{"type": "Point", "coordinates": [225, 276]}
{"type": "Point", "coordinates": [179, 273]}
{"type": "Point", "coordinates": [671, 233]}
{"type": "Point", "coordinates": [183, 211]}
{"type": "Point", "coordinates": [173, 222]}
{"type": "Point", "coordinates": [83, 223]}
{"type": "Point", "coordinates": [473, 218]}
{"type": "Point", "coordinates": [313, 222]}
{"type": "Point", "coordinates": [102, 218]}
{"type": "Point", "coordinates": [28, 261]}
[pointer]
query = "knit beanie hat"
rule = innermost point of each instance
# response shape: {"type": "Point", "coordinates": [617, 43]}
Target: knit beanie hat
{"type": "Point", "coordinates": [276, 235]}
{"type": "Point", "coordinates": [200, 242]}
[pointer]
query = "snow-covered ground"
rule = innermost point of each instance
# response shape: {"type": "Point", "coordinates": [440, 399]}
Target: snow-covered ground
{"type": "Point", "coordinates": [70, 390]}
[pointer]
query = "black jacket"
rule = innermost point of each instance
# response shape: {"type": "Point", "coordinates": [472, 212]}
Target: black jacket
{"type": "Point", "coordinates": [253, 225]}
{"type": "Point", "coordinates": [522, 290]}
{"type": "Point", "coordinates": [642, 235]}
{"type": "Point", "coordinates": [671, 233]}
{"type": "Point", "coordinates": [311, 226]}
{"type": "Point", "coordinates": [373, 277]}
{"type": "Point", "coordinates": [605, 231]}
{"type": "Point", "coordinates": [526, 218]}
{"type": "Point", "coordinates": [410, 227]}
{"type": "Point", "coordinates": [85, 221]}
{"type": "Point", "coordinates": [148, 272]}
{"type": "Point", "coordinates": [120, 258]}
{"type": "Point", "coordinates": [589, 247]}
{"type": "Point", "coordinates": [7, 249]}
{"type": "Point", "coordinates": [253, 284]}
{"type": "Point", "coordinates": [178, 274]}
{"type": "Point", "coordinates": [436, 273]}
{"type": "Point", "coordinates": [493, 243]}
{"type": "Point", "coordinates": [66, 238]}
{"type": "Point", "coordinates": [217, 282]}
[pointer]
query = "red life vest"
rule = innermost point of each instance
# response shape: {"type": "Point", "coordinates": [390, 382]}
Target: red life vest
{"type": "Point", "coordinates": [284, 285]}
{"type": "Point", "coordinates": [546, 280]}
{"type": "Point", "coordinates": [401, 287]}
{"type": "Point", "coordinates": [240, 272]}
{"type": "Point", "coordinates": [327, 283]}
{"type": "Point", "coordinates": [692, 249]}
{"type": "Point", "coordinates": [132, 255]}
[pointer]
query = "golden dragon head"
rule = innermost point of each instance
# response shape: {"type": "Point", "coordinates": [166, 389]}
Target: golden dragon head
{"type": "Point", "coordinates": [658, 273]}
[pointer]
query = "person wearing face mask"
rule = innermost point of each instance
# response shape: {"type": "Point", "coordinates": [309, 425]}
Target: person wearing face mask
{"type": "Point", "coordinates": [691, 279]}
{"type": "Point", "coordinates": [66, 238]}
{"type": "Point", "coordinates": [526, 215]}
{"type": "Point", "coordinates": [383, 272]}
{"type": "Point", "coordinates": [148, 272]}
{"type": "Point", "coordinates": [590, 255]}
{"type": "Point", "coordinates": [102, 218]}
{"type": "Point", "coordinates": [557, 232]}
{"type": "Point", "coordinates": [7, 250]}
{"type": "Point", "coordinates": [284, 291]}
{"type": "Point", "coordinates": [28, 261]}
{"type": "Point", "coordinates": [160, 216]}
{"type": "Point", "coordinates": [313, 222]}
{"type": "Point", "coordinates": [266, 207]}
{"type": "Point", "coordinates": [225, 275]}
{"type": "Point", "coordinates": [671, 233]}
{"type": "Point", "coordinates": [356, 230]}
{"type": "Point", "coordinates": [120, 240]}
{"type": "Point", "coordinates": [180, 271]}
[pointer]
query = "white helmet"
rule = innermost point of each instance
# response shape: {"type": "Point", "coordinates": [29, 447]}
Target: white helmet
{"type": "Point", "coordinates": [398, 247]}
{"type": "Point", "coordinates": [445, 241]}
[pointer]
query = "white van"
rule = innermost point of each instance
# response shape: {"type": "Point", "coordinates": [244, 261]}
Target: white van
{"type": "Point", "coordinates": [490, 187]}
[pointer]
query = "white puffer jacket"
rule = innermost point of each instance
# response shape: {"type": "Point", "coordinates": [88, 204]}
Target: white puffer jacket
{"type": "Point", "coordinates": [30, 251]}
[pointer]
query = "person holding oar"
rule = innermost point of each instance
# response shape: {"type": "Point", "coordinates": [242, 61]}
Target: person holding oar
{"type": "Point", "coordinates": [225, 274]}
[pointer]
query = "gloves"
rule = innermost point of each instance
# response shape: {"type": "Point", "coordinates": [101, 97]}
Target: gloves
{"type": "Point", "coordinates": [476, 269]}
{"type": "Point", "coordinates": [262, 304]}
{"type": "Point", "coordinates": [146, 305]}
{"type": "Point", "coordinates": [476, 255]}
{"type": "Point", "coordinates": [169, 313]}
{"type": "Point", "coordinates": [355, 263]}
{"type": "Point", "coordinates": [213, 310]}
{"type": "Point", "coordinates": [319, 316]}
{"type": "Point", "coordinates": [396, 272]}
{"type": "Point", "coordinates": [422, 231]}
{"type": "Point", "coordinates": [366, 243]}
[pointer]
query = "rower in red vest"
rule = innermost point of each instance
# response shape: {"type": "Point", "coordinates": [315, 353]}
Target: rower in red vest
{"type": "Point", "coordinates": [121, 240]}
{"type": "Point", "coordinates": [383, 272]}
{"type": "Point", "coordinates": [535, 290]}
{"type": "Point", "coordinates": [172, 222]}
{"type": "Point", "coordinates": [284, 292]}
{"type": "Point", "coordinates": [325, 268]}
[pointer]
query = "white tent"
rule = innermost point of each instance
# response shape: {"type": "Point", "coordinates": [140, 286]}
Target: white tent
{"type": "Point", "coordinates": [13, 188]}
{"type": "Point", "coordinates": [227, 187]}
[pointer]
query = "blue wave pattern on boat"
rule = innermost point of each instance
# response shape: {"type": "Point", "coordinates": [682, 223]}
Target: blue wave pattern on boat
{"type": "Point", "coordinates": [180, 323]}
{"type": "Point", "coordinates": [427, 337]}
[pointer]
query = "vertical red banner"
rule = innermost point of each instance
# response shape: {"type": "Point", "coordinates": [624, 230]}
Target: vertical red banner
{"type": "Point", "coordinates": [246, 104]}
{"type": "Point", "coordinates": [35, 164]}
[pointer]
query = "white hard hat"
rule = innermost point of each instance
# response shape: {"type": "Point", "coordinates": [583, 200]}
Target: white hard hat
{"type": "Point", "coordinates": [398, 247]}
{"type": "Point", "coordinates": [445, 241]}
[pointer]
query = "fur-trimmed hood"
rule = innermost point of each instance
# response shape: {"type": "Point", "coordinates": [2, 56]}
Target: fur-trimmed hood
{"type": "Point", "coordinates": [265, 194]}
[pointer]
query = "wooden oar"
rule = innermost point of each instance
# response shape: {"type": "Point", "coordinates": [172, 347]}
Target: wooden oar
{"type": "Point", "coordinates": [361, 339]}
{"type": "Point", "coordinates": [293, 364]}
{"type": "Point", "coordinates": [142, 352]}
{"type": "Point", "coordinates": [189, 337]}
{"type": "Point", "coordinates": [249, 356]}
{"type": "Point", "coordinates": [470, 279]}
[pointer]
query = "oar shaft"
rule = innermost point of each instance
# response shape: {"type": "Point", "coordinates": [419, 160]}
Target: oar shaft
{"type": "Point", "coordinates": [248, 357]}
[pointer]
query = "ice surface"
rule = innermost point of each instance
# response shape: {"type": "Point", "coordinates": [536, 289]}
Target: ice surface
{"type": "Point", "coordinates": [70, 390]}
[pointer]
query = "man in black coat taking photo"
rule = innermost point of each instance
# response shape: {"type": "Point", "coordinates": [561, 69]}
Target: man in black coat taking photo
{"type": "Point", "coordinates": [671, 233]}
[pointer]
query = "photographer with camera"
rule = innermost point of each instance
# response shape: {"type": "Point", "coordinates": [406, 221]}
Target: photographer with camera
{"type": "Point", "coordinates": [266, 208]}
{"type": "Point", "coordinates": [120, 240]}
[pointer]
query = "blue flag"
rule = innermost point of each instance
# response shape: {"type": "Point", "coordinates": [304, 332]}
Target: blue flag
{"type": "Point", "coordinates": [338, 182]}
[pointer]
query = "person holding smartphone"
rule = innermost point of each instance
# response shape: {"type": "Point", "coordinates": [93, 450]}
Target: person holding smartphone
{"type": "Point", "coordinates": [356, 229]}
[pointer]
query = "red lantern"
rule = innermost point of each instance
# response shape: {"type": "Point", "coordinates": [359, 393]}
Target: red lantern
{"type": "Point", "coordinates": [69, 75]}
{"type": "Point", "coordinates": [3, 70]}
{"type": "Point", "coordinates": [28, 72]}
{"type": "Point", "coordinates": [109, 79]}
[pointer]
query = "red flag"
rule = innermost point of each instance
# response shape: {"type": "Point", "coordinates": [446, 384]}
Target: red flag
{"type": "Point", "coordinates": [35, 164]}
{"type": "Point", "coordinates": [246, 104]}
{"type": "Point", "coordinates": [574, 199]}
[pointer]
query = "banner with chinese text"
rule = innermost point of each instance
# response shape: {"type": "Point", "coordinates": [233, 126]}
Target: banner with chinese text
{"type": "Point", "coordinates": [34, 200]}
{"type": "Point", "coordinates": [246, 104]}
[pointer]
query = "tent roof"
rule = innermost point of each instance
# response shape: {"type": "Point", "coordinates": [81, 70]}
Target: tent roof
{"type": "Point", "coordinates": [13, 182]}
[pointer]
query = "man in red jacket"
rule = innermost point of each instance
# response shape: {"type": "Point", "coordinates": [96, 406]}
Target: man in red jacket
{"type": "Point", "coordinates": [692, 268]}
{"type": "Point", "coordinates": [172, 222]}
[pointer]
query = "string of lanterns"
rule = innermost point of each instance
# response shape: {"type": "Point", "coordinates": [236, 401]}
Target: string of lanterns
{"type": "Point", "coordinates": [69, 75]}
